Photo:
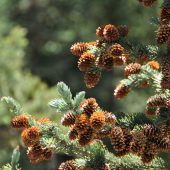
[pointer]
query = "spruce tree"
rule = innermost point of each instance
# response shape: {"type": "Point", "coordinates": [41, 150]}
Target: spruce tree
{"type": "Point", "coordinates": [98, 139]}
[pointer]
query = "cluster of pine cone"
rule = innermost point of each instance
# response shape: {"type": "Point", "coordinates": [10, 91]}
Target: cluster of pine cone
{"type": "Point", "coordinates": [71, 165]}
{"type": "Point", "coordinates": [123, 90]}
{"type": "Point", "coordinates": [146, 143]}
{"type": "Point", "coordinates": [102, 54]}
{"type": "Point", "coordinates": [88, 125]}
{"type": "Point", "coordinates": [31, 137]}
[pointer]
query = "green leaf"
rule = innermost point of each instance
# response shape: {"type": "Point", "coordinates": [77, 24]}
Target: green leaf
{"type": "Point", "coordinates": [60, 105]}
{"type": "Point", "coordinates": [78, 99]}
{"type": "Point", "coordinates": [64, 92]}
{"type": "Point", "coordinates": [15, 158]}
{"type": "Point", "coordinates": [12, 105]}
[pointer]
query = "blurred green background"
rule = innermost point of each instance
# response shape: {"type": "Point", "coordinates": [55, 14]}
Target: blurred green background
{"type": "Point", "coordinates": [35, 38]}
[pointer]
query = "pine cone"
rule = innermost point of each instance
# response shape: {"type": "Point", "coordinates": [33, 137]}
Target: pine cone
{"type": "Point", "coordinates": [73, 133]}
{"type": "Point", "coordinates": [99, 31]}
{"type": "Point", "coordinates": [35, 153]}
{"type": "Point", "coordinates": [97, 120]}
{"type": "Point", "coordinates": [86, 137]}
{"type": "Point", "coordinates": [103, 133]}
{"type": "Point", "coordinates": [165, 15]}
{"type": "Point", "coordinates": [86, 61]}
{"type": "Point", "coordinates": [110, 118]}
{"type": "Point", "coordinates": [46, 154]}
{"type": "Point", "coordinates": [151, 131]}
{"type": "Point", "coordinates": [110, 33]}
{"type": "Point", "coordinates": [133, 68]}
{"type": "Point", "coordinates": [127, 139]}
{"type": "Point", "coordinates": [30, 136]}
{"type": "Point", "coordinates": [165, 82]}
{"type": "Point", "coordinates": [82, 123]}
{"type": "Point", "coordinates": [158, 100]}
{"type": "Point", "coordinates": [68, 165]}
{"type": "Point", "coordinates": [20, 121]}
{"type": "Point", "coordinates": [117, 139]}
{"type": "Point", "coordinates": [44, 120]}
{"type": "Point", "coordinates": [154, 64]}
{"type": "Point", "coordinates": [78, 48]}
{"type": "Point", "coordinates": [89, 106]}
{"type": "Point", "coordinates": [91, 79]}
{"type": "Point", "coordinates": [151, 111]}
{"type": "Point", "coordinates": [33, 133]}
{"type": "Point", "coordinates": [163, 34]}
{"type": "Point", "coordinates": [115, 50]}
{"type": "Point", "coordinates": [121, 91]}
{"type": "Point", "coordinates": [105, 167]}
{"type": "Point", "coordinates": [138, 143]}
{"type": "Point", "coordinates": [68, 119]}
{"type": "Point", "coordinates": [119, 60]}
{"type": "Point", "coordinates": [123, 30]}
{"type": "Point", "coordinates": [148, 3]}
{"type": "Point", "coordinates": [144, 84]}
{"type": "Point", "coordinates": [163, 144]}
{"type": "Point", "coordinates": [27, 142]}
{"type": "Point", "coordinates": [165, 66]}
{"type": "Point", "coordinates": [149, 153]}
{"type": "Point", "coordinates": [105, 62]}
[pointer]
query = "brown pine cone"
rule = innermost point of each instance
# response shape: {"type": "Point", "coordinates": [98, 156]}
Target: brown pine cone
{"type": "Point", "coordinates": [163, 144]}
{"type": "Point", "coordinates": [20, 121]}
{"type": "Point", "coordinates": [165, 66]}
{"type": "Point", "coordinates": [110, 118]}
{"type": "Point", "coordinates": [119, 60]}
{"type": "Point", "coordinates": [73, 133]}
{"type": "Point", "coordinates": [151, 111]}
{"type": "Point", "coordinates": [103, 133]}
{"type": "Point", "coordinates": [163, 34]}
{"type": "Point", "coordinates": [158, 100]}
{"type": "Point", "coordinates": [127, 139]}
{"type": "Point", "coordinates": [91, 78]}
{"type": "Point", "coordinates": [117, 139]}
{"type": "Point", "coordinates": [123, 30]}
{"type": "Point", "coordinates": [35, 153]}
{"type": "Point", "coordinates": [110, 33]}
{"type": "Point", "coordinates": [86, 61]}
{"type": "Point", "coordinates": [33, 133]}
{"type": "Point", "coordinates": [115, 50]}
{"type": "Point", "coordinates": [151, 131]}
{"type": "Point", "coordinates": [165, 15]}
{"type": "Point", "coordinates": [44, 120]}
{"type": "Point", "coordinates": [68, 119]}
{"type": "Point", "coordinates": [68, 165]}
{"type": "Point", "coordinates": [27, 142]}
{"type": "Point", "coordinates": [154, 64]}
{"type": "Point", "coordinates": [82, 123]}
{"type": "Point", "coordinates": [165, 82]}
{"type": "Point", "coordinates": [99, 31]}
{"type": "Point", "coordinates": [106, 62]}
{"type": "Point", "coordinates": [47, 154]}
{"type": "Point", "coordinates": [138, 143]}
{"type": "Point", "coordinates": [133, 68]}
{"type": "Point", "coordinates": [97, 120]}
{"type": "Point", "coordinates": [148, 3]}
{"type": "Point", "coordinates": [121, 91]}
{"type": "Point", "coordinates": [89, 106]}
{"type": "Point", "coordinates": [78, 48]}
{"type": "Point", "coordinates": [86, 137]}
{"type": "Point", "coordinates": [149, 153]}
